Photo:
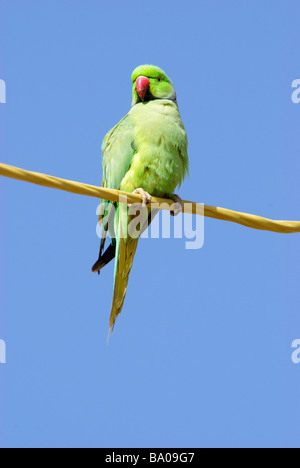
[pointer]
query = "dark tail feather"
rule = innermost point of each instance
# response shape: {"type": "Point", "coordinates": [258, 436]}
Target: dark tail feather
{"type": "Point", "coordinates": [104, 259]}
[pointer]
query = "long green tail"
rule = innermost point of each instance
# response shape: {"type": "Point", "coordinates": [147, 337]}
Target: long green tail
{"type": "Point", "coordinates": [125, 252]}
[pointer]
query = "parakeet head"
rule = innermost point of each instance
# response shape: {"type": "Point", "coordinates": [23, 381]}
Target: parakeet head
{"type": "Point", "coordinates": [149, 83]}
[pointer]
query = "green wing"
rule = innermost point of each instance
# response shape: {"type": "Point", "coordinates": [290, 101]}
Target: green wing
{"type": "Point", "coordinates": [117, 153]}
{"type": "Point", "coordinates": [118, 150]}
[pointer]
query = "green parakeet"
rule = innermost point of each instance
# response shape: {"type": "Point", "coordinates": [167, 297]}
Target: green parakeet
{"type": "Point", "coordinates": [146, 153]}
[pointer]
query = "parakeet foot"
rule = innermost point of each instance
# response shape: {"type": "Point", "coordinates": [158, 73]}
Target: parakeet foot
{"type": "Point", "coordinates": [146, 197]}
{"type": "Point", "coordinates": [178, 204]}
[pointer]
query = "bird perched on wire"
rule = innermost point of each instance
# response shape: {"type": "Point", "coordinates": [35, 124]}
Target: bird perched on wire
{"type": "Point", "coordinates": [145, 153]}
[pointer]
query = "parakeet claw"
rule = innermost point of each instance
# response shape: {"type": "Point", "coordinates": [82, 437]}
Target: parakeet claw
{"type": "Point", "coordinates": [178, 204]}
{"type": "Point", "coordinates": [146, 197]}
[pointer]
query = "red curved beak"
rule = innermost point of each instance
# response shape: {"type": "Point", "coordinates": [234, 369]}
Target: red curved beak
{"type": "Point", "coordinates": [142, 86]}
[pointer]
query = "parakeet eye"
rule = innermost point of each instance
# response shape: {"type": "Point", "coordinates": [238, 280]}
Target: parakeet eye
{"type": "Point", "coordinates": [159, 79]}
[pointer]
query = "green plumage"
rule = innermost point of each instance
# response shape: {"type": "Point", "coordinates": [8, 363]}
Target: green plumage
{"type": "Point", "coordinates": [147, 149]}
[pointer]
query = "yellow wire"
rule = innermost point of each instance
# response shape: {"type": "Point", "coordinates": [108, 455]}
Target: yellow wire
{"type": "Point", "coordinates": [245, 219]}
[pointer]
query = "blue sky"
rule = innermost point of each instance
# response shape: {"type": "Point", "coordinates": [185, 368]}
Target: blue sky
{"type": "Point", "coordinates": [201, 355]}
